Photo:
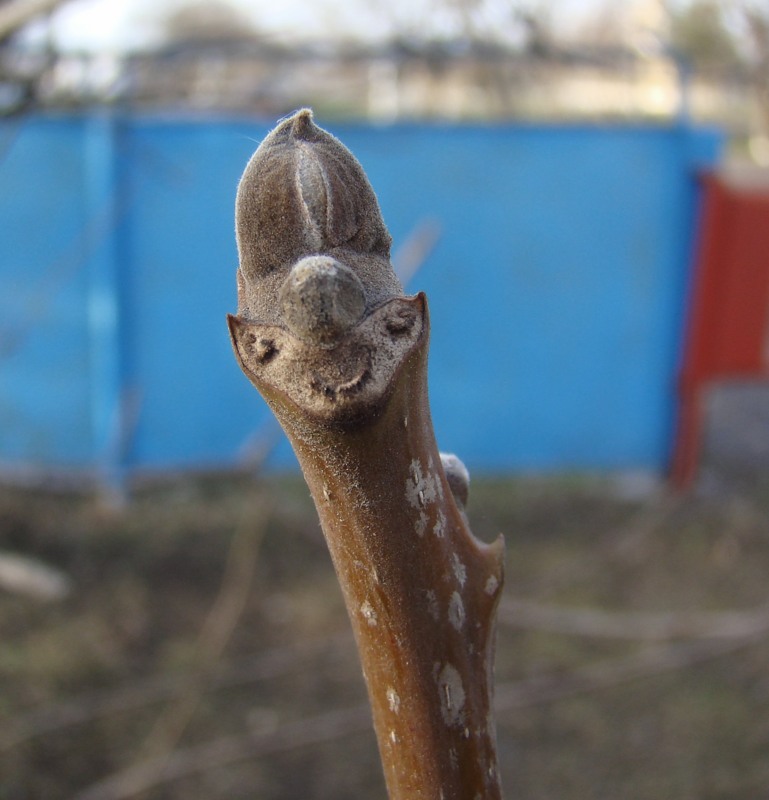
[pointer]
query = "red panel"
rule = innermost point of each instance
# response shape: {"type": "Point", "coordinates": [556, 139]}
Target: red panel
{"type": "Point", "coordinates": [741, 343]}
{"type": "Point", "coordinates": [728, 322]}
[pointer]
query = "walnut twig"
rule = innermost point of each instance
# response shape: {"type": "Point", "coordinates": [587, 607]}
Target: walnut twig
{"type": "Point", "coordinates": [325, 334]}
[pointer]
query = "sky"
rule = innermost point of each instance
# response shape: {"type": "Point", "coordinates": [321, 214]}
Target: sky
{"type": "Point", "coordinates": [115, 25]}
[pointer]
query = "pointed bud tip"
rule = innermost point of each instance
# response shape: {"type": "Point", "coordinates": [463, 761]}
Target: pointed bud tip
{"type": "Point", "coordinates": [299, 125]}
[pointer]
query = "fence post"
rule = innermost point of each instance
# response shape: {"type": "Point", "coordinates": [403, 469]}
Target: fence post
{"type": "Point", "coordinates": [104, 301]}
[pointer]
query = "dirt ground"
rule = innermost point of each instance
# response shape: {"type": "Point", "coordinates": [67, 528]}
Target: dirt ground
{"type": "Point", "coordinates": [203, 652]}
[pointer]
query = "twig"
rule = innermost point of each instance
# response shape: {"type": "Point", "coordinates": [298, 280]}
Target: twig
{"type": "Point", "coordinates": [229, 750]}
{"type": "Point", "coordinates": [16, 14]}
{"type": "Point", "coordinates": [617, 625]}
{"type": "Point", "coordinates": [614, 672]}
{"type": "Point", "coordinates": [412, 254]}
{"type": "Point", "coordinates": [331, 725]}
{"type": "Point", "coordinates": [326, 335]}
{"type": "Point", "coordinates": [27, 576]}
{"type": "Point", "coordinates": [80, 710]}
{"type": "Point", "coordinates": [214, 636]}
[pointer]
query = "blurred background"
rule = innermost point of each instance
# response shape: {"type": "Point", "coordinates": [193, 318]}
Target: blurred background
{"type": "Point", "coordinates": [582, 189]}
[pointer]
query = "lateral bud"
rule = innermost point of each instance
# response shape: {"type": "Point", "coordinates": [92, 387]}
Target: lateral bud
{"type": "Point", "coordinates": [457, 476]}
{"type": "Point", "coordinates": [321, 300]}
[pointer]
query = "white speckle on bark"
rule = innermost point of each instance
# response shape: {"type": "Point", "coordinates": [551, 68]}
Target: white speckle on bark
{"type": "Point", "coordinates": [460, 570]}
{"type": "Point", "coordinates": [420, 487]}
{"type": "Point", "coordinates": [453, 758]}
{"type": "Point", "coordinates": [432, 605]}
{"type": "Point", "coordinates": [393, 700]}
{"type": "Point", "coordinates": [492, 584]}
{"type": "Point", "coordinates": [438, 482]}
{"type": "Point", "coordinates": [421, 524]}
{"type": "Point", "coordinates": [452, 696]}
{"type": "Point", "coordinates": [326, 493]}
{"type": "Point", "coordinates": [406, 421]}
{"type": "Point", "coordinates": [456, 611]}
{"type": "Point", "coordinates": [466, 733]}
{"type": "Point", "coordinates": [393, 737]}
{"type": "Point", "coordinates": [368, 613]}
{"type": "Point", "coordinates": [439, 529]}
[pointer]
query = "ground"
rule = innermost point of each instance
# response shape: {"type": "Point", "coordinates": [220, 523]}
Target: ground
{"type": "Point", "coordinates": [203, 651]}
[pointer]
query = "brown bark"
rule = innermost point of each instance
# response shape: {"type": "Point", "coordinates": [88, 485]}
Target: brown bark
{"type": "Point", "coordinates": [340, 355]}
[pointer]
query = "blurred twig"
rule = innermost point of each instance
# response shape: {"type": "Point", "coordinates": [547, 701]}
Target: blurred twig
{"type": "Point", "coordinates": [85, 708]}
{"type": "Point", "coordinates": [356, 719]}
{"type": "Point", "coordinates": [412, 254]}
{"type": "Point", "coordinates": [229, 750]}
{"type": "Point", "coordinates": [26, 576]}
{"type": "Point", "coordinates": [216, 632]}
{"type": "Point", "coordinates": [649, 662]}
{"type": "Point", "coordinates": [627, 542]}
{"type": "Point", "coordinates": [18, 13]}
{"type": "Point", "coordinates": [528, 615]}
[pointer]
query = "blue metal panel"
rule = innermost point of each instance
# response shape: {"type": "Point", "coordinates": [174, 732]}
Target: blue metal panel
{"type": "Point", "coordinates": [556, 290]}
{"type": "Point", "coordinates": [195, 405]}
{"type": "Point", "coordinates": [44, 245]}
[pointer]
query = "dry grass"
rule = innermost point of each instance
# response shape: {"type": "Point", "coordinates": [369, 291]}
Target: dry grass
{"type": "Point", "coordinates": [204, 652]}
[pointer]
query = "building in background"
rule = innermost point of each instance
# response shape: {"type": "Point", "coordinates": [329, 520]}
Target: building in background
{"type": "Point", "coordinates": [635, 60]}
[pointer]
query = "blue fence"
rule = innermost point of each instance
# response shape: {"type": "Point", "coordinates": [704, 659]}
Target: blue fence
{"type": "Point", "coordinates": [557, 288]}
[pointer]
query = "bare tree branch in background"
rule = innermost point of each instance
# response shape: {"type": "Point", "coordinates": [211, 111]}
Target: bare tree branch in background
{"type": "Point", "coordinates": [595, 623]}
{"type": "Point", "coordinates": [86, 708]}
{"type": "Point", "coordinates": [214, 636]}
{"type": "Point", "coordinates": [756, 20]}
{"type": "Point", "coordinates": [18, 13]}
{"type": "Point", "coordinates": [699, 33]}
{"type": "Point", "coordinates": [207, 21]}
{"type": "Point", "coordinates": [513, 696]}
{"type": "Point", "coordinates": [21, 78]}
